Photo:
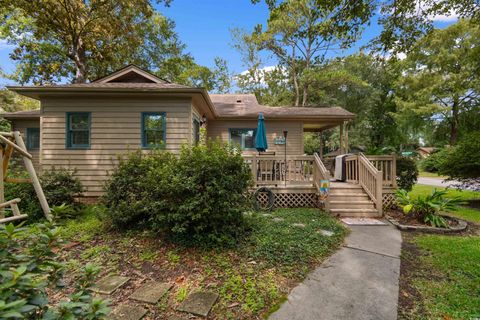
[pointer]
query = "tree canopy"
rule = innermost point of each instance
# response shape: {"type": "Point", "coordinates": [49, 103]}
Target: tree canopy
{"type": "Point", "coordinates": [441, 77]}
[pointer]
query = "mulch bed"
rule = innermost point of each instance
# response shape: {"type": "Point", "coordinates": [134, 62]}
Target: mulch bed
{"type": "Point", "coordinates": [408, 295]}
{"type": "Point", "coordinates": [407, 219]}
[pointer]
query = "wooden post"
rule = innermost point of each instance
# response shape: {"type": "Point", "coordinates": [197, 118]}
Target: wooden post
{"type": "Point", "coordinates": [394, 171]}
{"type": "Point", "coordinates": [342, 150]}
{"type": "Point", "coordinates": [320, 136]}
{"type": "Point", "coordinates": [254, 169]}
{"type": "Point", "coordinates": [33, 175]}
{"type": "Point", "coordinates": [379, 192]}
{"type": "Point", "coordinates": [346, 137]}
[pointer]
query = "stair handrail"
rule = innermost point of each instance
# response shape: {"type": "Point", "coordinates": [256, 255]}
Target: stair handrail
{"type": "Point", "coordinates": [371, 180]}
{"type": "Point", "coordinates": [322, 171]}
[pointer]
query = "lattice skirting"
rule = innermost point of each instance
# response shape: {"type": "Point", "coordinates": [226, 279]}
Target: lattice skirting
{"type": "Point", "coordinates": [388, 200]}
{"type": "Point", "coordinates": [290, 200]}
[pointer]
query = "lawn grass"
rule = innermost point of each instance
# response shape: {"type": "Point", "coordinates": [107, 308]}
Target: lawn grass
{"type": "Point", "coordinates": [424, 190]}
{"type": "Point", "coordinates": [469, 214]}
{"type": "Point", "coordinates": [252, 279]}
{"type": "Point", "coordinates": [445, 276]}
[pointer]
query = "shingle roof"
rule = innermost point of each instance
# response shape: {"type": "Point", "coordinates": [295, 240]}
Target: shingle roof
{"type": "Point", "coordinates": [247, 106]}
{"type": "Point", "coordinates": [227, 106]}
{"type": "Point", "coordinates": [119, 85]}
{"type": "Point", "coordinates": [22, 114]}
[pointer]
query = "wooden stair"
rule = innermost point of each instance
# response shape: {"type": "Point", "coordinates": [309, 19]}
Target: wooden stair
{"type": "Point", "coordinates": [350, 200]}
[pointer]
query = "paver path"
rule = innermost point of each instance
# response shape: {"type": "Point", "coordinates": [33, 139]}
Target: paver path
{"type": "Point", "coordinates": [360, 281]}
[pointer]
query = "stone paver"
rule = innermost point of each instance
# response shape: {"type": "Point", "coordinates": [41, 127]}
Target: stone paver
{"type": "Point", "coordinates": [151, 292]}
{"type": "Point", "coordinates": [326, 233]}
{"type": "Point", "coordinates": [127, 312]}
{"type": "Point", "coordinates": [109, 284]}
{"type": "Point", "coordinates": [199, 303]}
{"type": "Point", "coordinates": [278, 219]}
{"type": "Point", "coordinates": [359, 282]}
{"type": "Point", "coordinates": [299, 225]}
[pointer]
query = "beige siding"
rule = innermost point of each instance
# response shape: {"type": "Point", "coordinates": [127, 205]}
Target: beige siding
{"type": "Point", "coordinates": [22, 125]}
{"type": "Point", "coordinates": [220, 129]}
{"type": "Point", "coordinates": [115, 129]}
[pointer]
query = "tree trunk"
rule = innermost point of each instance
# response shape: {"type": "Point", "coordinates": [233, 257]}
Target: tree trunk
{"type": "Point", "coordinates": [454, 123]}
{"type": "Point", "coordinates": [80, 60]}
{"type": "Point", "coordinates": [295, 79]}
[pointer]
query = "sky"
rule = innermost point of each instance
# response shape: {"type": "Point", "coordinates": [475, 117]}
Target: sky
{"type": "Point", "coordinates": [204, 26]}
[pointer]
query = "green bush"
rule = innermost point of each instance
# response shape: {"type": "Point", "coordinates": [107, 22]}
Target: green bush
{"type": "Point", "coordinates": [433, 161]}
{"type": "Point", "coordinates": [463, 160]}
{"type": "Point", "coordinates": [29, 272]}
{"type": "Point", "coordinates": [427, 208]}
{"type": "Point", "coordinates": [407, 173]}
{"type": "Point", "coordinates": [60, 186]}
{"type": "Point", "coordinates": [128, 195]}
{"type": "Point", "coordinates": [197, 197]}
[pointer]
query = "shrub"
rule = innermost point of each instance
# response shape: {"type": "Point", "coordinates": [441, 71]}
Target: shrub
{"type": "Point", "coordinates": [432, 162]}
{"type": "Point", "coordinates": [197, 197]}
{"type": "Point", "coordinates": [29, 271]}
{"type": "Point", "coordinates": [427, 208]}
{"type": "Point", "coordinates": [463, 160]}
{"type": "Point", "coordinates": [128, 194]}
{"type": "Point", "coordinates": [60, 186]}
{"type": "Point", "coordinates": [407, 173]}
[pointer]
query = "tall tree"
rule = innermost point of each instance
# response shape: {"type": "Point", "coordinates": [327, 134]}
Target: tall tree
{"type": "Point", "coordinates": [299, 33]}
{"type": "Point", "coordinates": [79, 39]}
{"type": "Point", "coordinates": [405, 21]}
{"type": "Point", "coordinates": [441, 76]}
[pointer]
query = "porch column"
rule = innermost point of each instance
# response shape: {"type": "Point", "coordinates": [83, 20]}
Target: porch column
{"type": "Point", "coordinates": [320, 137]}
{"type": "Point", "coordinates": [346, 138]}
{"type": "Point", "coordinates": [342, 149]}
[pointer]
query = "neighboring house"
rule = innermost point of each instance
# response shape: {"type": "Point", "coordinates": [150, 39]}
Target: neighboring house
{"type": "Point", "coordinates": [86, 126]}
{"type": "Point", "coordinates": [425, 152]}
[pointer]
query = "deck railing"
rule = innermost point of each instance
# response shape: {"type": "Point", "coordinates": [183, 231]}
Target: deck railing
{"type": "Point", "coordinates": [273, 170]}
{"type": "Point", "coordinates": [320, 172]}
{"type": "Point", "coordinates": [371, 180]}
{"type": "Point", "coordinates": [385, 163]}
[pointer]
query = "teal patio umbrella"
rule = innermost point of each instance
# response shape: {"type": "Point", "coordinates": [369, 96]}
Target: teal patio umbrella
{"type": "Point", "coordinates": [261, 136]}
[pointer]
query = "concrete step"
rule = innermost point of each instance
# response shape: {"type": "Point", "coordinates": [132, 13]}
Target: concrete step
{"type": "Point", "coordinates": [348, 197]}
{"type": "Point", "coordinates": [357, 213]}
{"type": "Point", "coordinates": [362, 204]}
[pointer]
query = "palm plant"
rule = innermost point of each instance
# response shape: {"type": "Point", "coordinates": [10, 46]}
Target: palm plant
{"type": "Point", "coordinates": [427, 208]}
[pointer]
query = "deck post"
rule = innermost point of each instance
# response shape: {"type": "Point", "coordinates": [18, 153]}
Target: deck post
{"type": "Point", "coordinates": [320, 137]}
{"type": "Point", "coordinates": [254, 168]}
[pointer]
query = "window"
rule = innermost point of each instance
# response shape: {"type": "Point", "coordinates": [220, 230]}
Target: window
{"type": "Point", "coordinates": [33, 138]}
{"type": "Point", "coordinates": [196, 131]}
{"type": "Point", "coordinates": [78, 130]}
{"type": "Point", "coordinates": [153, 130]}
{"type": "Point", "coordinates": [243, 137]}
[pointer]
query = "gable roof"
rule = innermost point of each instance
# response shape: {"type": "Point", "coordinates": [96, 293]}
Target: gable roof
{"type": "Point", "coordinates": [132, 74]}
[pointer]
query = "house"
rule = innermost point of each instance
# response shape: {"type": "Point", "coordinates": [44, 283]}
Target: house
{"type": "Point", "coordinates": [425, 152]}
{"type": "Point", "coordinates": [87, 126]}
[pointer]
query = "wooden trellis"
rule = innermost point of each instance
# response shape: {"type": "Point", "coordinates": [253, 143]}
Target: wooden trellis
{"type": "Point", "coordinates": [10, 142]}
{"type": "Point", "coordinates": [291, 200]}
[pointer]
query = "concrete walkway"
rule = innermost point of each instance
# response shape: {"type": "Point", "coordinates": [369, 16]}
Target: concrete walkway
{"type": "Point", "coordinates": [360, 281]}
{"type": "Point", "coordinates": [436, 182]}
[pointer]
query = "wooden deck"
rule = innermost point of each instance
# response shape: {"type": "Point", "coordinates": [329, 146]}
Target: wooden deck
{"type": "Point", "coordinates": [296, 182]}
